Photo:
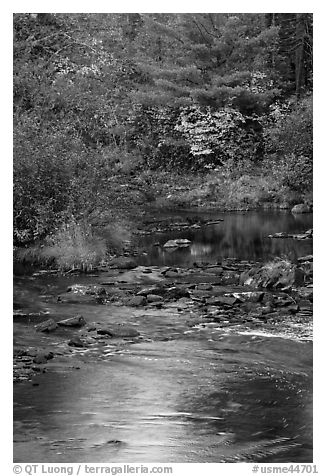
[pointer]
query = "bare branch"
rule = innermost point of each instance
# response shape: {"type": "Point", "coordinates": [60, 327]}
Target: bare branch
{"type": "Point", "coordinates": [203, 36]}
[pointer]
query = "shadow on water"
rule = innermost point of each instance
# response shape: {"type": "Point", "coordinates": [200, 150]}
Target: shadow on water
{"type": "Point", "coordinates": [239, 235]}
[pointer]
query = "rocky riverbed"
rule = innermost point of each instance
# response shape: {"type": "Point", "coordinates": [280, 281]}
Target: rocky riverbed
{"type": "Point", "coordinates": [199, 351]}
{"type": "Point", "coordinates": [239, 295]}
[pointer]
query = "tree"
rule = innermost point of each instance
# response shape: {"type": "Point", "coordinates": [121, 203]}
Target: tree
{"type": "Point", "coordinates": [186, 91]}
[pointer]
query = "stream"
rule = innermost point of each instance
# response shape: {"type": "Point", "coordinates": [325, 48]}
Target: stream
{"type": "Point", "coordinates": [179, 392]}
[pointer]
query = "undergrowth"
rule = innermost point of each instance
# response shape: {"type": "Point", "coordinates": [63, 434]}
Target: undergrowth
{"type": "Point", "coordinates": [74, 245]}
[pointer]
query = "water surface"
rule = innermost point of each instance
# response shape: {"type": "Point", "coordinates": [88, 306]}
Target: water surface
{"type": "Point", "coordinates": [241, 235]}
{"type": "Point", "coordinates": [179, 394]}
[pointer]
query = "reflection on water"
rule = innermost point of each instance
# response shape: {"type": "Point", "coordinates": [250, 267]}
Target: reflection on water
{"type": "Point", "coordinates": [240, 235]}
{"type": "Point", "coordinates": [208, 395]}
{"type": "Point", "coordinates": [178, 401]}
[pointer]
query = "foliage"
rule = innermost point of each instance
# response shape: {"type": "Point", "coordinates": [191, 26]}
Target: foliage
{"type": "Point", "coordinates": [74, 246]}
{"type": "Point", "coordinates": [290, 145]}
{"type": "Point", "coordinates": [53, 178]}
{"type": "Point", "coordinates": [241, 190]}
{"type": "Point", "coordinates": [291, 129]}
{"type": "Point", "coordinates": [294, 172]}
{"type": "Point", "coordinates": [101, 99]}
{"type": "Point", "coordinates": [217, 137]}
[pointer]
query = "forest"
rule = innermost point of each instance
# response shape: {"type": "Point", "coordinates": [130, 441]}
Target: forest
{"type": "Point", "coordinates": [113, 112]}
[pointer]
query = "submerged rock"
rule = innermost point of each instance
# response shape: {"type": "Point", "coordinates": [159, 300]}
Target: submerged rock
{"type": "Point", "coordinates": [79, 298]}
{"type": "Point", "coordinates": [281, 234]}
{"type": "Point", "coordinates": [171, 274]}
{"type": "Point", "coordinates": [77, 321]}
{"type": "Point", "coordinates": [307, 235]}
{"type": "Point", "coordinates": [223, 300]}
{"type": "Point", "coordinates": [82, 289]}
{"type": "Point", "coordinates": [177, 292]}
{"type": "Point", "coordinates": [43, 357]}
{"type": "Point", "coordinates": [230, 277]}
{"type": "Point", "coordinates": [76, 342]}
{"type": "Point", "coordinates": [158, 290]}
{"type": "Point", "coordinates": [46, 326]}
{"type": "Point", "coordinates": [204, 287]}
{"type": "Point", "coordinates": [154, 298]}
{"type": "Point", "coordinates": [118, 331]}
{"type": "Point", "coordinates": [251, 296]}
{"type": "Point", "coordinates": [137, 301]}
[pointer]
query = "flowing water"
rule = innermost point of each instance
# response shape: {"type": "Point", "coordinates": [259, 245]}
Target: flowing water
{"type": "Point", "coordinates": [178, 393]}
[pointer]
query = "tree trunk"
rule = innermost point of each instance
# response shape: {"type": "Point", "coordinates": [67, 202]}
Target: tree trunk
{"type": "Point", "coordinates": [299, 54]}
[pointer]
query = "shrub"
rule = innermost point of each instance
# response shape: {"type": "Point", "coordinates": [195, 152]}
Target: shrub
{"type": "Point", "coordinates": [292, 131]}
{"type": "Point", "coordinates": [294, 172]}
{"type": "Point", "coordinates": [219, 137]}
{"type": "Point", "coordinates": [57, 176]}
{"type": "Point", "coordinates": [242, 191]}
{"type": "Point", "coordinates": [117, 235]}
{"type": "Point", "coordinates": [289, 147]}
{"type": "Point", "coordinates": [74, 245]}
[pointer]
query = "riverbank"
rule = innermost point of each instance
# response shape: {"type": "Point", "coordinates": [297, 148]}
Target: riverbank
{"type": "Point", "coordinates": [220, 190]}
{"type": "Point", "coordinates": [130, 202]}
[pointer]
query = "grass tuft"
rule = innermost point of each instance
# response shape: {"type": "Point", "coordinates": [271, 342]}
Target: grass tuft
{"type": "Point", "coordinates": [74, 246]}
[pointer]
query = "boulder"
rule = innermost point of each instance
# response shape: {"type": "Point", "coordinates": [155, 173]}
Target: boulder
{"type": "Point", "coordinates": [204, 287]}
{"type": "Point", "coordinates": [20, 352]}
{"type": "Point", "coordinates": [118, 331]}
{"type": "Point", "coordinates": [302, 236]}
{"type": "Point", "coordinates": [42, 357]}
{"type": "Point", "coordinates": [279, 274]}
{"type": "Point", "coordinates": [293, 308]}
{"type": "Point", "coordinates": [154, 298]}
{"type": "Point", "coordinates": [256, 296]}
{"type": "Point", "coordinates": [82, 290]}
{"type": "Point", "coordinates": [177, 292]}
{"type": "Point", "coordinates": [177, 243]}
{"type": "Point", "coordinates": [301, 208]}
{"type": "Point", "coordinates": [137, 301]}
{"type": "Point", "coordinates": [77, 321]}
{"type": "Point", "coordinates": [79, 298]}
{"type": "Point", "coordinates": [230, 277]}
{"type": "Point", "coordinates": [46, 326]}
{"type": "Point", "coordinates": [76, 342]}
{"type": "Point", "coordinates": [222, 300]}
{"type": "Point", "coordinates": [157, 290]}
{"type": "Point", "coordinates": [267, 309]}
{"type": "Point", "coordinates": [281, 234]}
{"type": "Point", "coordinates": [171, 274]}
{"type": "Point", "coordinates": [77, 289]}
{"type": "Point", "coordinates": [123, 262]}
{"type": "Point", "coordinates": [268, 298]}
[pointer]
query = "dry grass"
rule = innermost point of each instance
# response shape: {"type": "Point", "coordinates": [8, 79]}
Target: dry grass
{"type": "Point", "coordinates": [74, 246]}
